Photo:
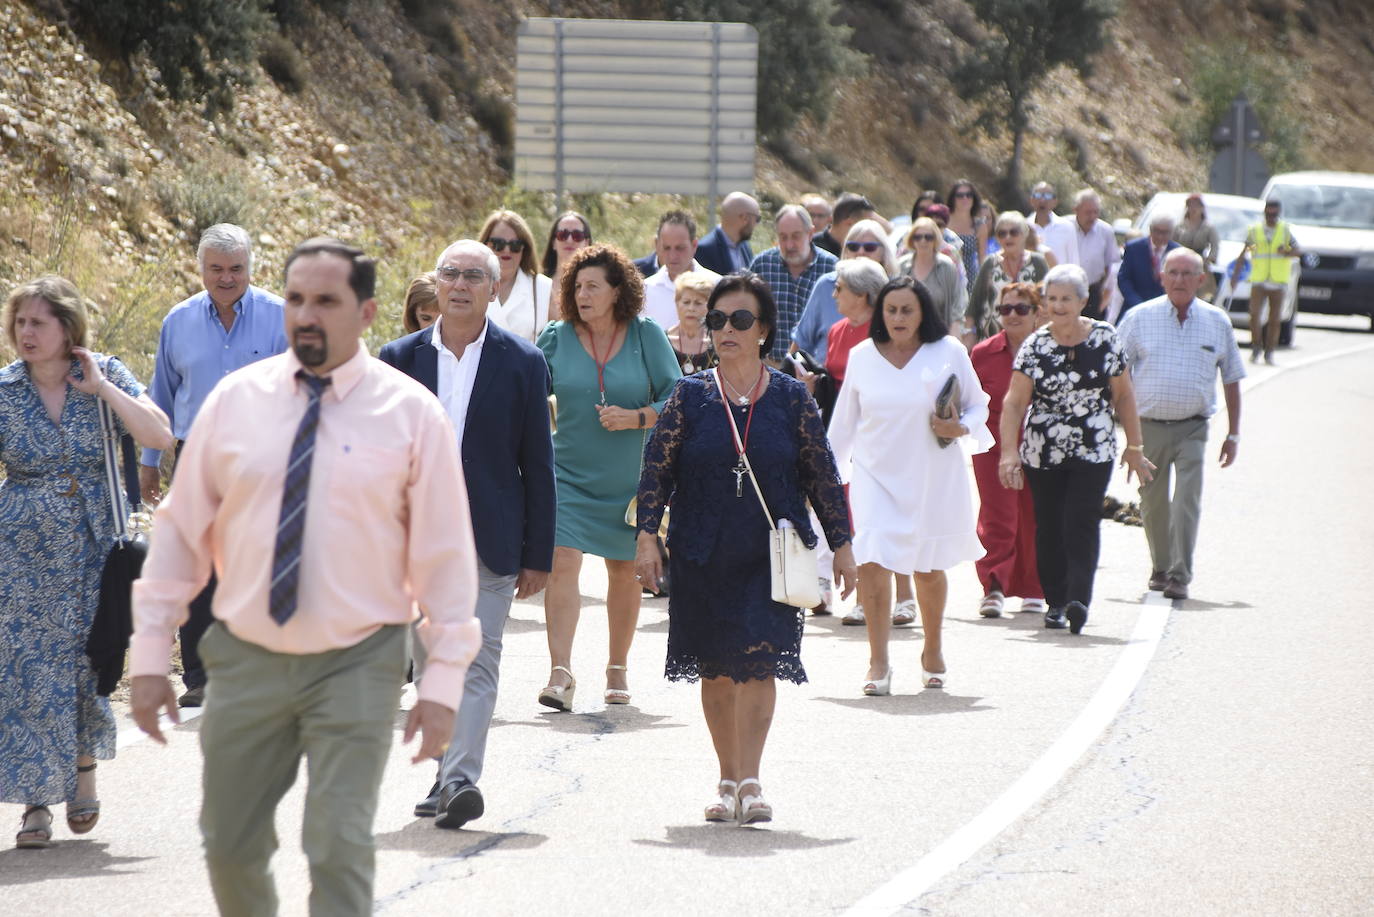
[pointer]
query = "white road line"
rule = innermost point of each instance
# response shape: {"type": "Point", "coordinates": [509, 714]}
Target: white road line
{"type": "Point", "coordinates": [130, 734]}
{"type": "Point", "coordinates": [1113, 693]}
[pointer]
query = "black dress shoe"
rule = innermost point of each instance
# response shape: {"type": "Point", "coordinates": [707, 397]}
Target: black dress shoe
{"type": "Point", "coordinates": [1077, 613]}
{"type": "Point", "coordinates": [194, 697]}
{"type": "Point", "coordinates": [1055, 620]}
{"type": "Point", "coordinates": [459, 803]}
{"type": "Point", "coordinates": [1158, 580]}
{"type": "Point", "coordinates": [1175, 590]}
{"type": "Point", "coordinates": [429, 806]}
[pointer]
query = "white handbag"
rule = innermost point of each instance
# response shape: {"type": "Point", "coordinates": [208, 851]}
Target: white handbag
{"type": "Point", "coordinates": [792, 564]}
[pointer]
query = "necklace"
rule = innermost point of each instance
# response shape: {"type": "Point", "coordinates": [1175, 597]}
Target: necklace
{"type": "Point", "coordinates": [741, 443]}
{"type": "Point", "coordinates": [688, 364]}
{"type": "Point", "coordinates": [743, 399]}
{"type": "Point", "coordinates": [600, 363]}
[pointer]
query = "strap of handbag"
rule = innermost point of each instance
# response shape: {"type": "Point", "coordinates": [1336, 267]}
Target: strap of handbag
{"type": "Point", "coordinates": [739, 447]}
{"type": "Point", "coordinates": [119, 508]}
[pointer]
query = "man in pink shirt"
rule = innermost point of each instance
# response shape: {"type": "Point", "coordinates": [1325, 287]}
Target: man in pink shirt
{"type": "Point", "coordinates": [324, 488]}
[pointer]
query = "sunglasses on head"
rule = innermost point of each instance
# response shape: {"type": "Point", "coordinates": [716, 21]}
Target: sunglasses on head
{"type": "Point", "coordinates": [576, 235]}
{"type": "Point", "coordinates": [869, 247]}
{"type": "Point", "coordinates": [740, 319]}
{"type": "Point", "coordinates": [1020, 308]}
{"type": "Point", "coordinates": [922, 237]}
{"type": "Point", "coordinates": [516, 246]}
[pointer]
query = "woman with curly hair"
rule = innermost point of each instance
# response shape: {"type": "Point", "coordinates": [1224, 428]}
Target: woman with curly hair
{"type": "Point", "coordinates": [612, 370]}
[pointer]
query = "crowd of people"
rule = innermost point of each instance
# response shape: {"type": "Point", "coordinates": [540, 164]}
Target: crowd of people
{"type": "Point", "coordinates": [672, 415]}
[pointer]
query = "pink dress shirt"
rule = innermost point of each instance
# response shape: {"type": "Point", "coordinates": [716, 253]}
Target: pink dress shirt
{"type": "Point", "coordinates": [386, 527]}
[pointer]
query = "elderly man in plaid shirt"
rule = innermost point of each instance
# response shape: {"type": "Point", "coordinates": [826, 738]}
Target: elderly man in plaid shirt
{"type": "Point", "coordinates": [1175, 345]}
{"type": "Point", "coordinates": [791, 269]}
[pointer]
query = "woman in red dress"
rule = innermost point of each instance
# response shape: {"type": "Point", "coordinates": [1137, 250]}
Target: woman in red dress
{"type": "Point", "coordinates": [1006, 518]}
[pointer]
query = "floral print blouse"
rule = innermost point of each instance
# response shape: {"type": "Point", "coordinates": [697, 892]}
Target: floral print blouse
{"type": "Point", "coordinates": [1070, 417]}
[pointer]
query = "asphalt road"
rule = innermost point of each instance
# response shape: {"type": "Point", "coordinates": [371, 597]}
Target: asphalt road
{"type": "Point", "coordinates": [1214, 757]}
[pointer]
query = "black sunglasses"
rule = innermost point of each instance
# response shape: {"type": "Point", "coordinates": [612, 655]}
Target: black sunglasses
{"type": "Point", "coordinates": [496, 244]}
{"type": "Point", "coordinates": [869, 247]}
{"type": "Point", "coordinates": [962, 194]}
{"type": "Point", "coordinates": [922, 237]}
{"type": "Point", "coordinates": [1020, 308]}
{"type": "Point", "coordinates": [576, 235]}
{"type": "Point", "coordinates": [1007, 232]}
{"type": "Point", "coordinates": [740, 319]}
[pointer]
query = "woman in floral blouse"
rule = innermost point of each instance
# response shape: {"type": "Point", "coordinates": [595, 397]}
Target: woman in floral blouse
{"type": "Point", "coordinates": [1012, 263]}
{"type": "Point", "coordinates": [1071, 374]}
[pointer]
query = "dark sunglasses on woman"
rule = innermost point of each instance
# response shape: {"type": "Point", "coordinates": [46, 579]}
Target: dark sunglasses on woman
{"type": "Point", "coordinates": [516, 246]}
{"type": "Point", "coordinates": [576, 235]}
{"type": "Point", "coordinates": [923, 237]}
{"type": "Point", "coordinates": [869, 247]}
{"type": "Point", "coordinates": [740, 319]}
{"type": "Point", "coordinates": [1020, 308]}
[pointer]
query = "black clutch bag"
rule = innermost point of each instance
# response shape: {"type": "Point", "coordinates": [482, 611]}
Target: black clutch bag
{"type": "Point", "coordinates": [946, 405]}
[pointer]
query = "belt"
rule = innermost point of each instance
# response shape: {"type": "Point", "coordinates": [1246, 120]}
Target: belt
{"type": "Point", "coordinates": [1180, 420]}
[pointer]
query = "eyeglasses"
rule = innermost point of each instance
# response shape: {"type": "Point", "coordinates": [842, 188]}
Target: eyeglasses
{"type": "Point", "coordinates": [451, 274]}
{"type": "Point", "coordinates": [1043, 195]}
{"type": "Point", "coordinates": [740, 319]}
{"type": "Point", "coordinates": [922, 237]}
{"type": "Point", "coordinates": [1020, 308]}
{"type": "Point", "coordinates": [576, 235]}
{"type": "Point", "coordinates": [869, 247]}
{"type": "Point", "coordinates": [1008, 232]}
{"type": "Point", "coordinates": [962, 194]}
{"type": "Point", "coordinates": [498, 245]}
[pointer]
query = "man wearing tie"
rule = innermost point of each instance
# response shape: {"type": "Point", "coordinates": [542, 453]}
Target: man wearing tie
{"type": "Point", "coordinates": [494, 386]}
{"type": "Point", "coordinates": [1142, 262]}
{"type": "Point", "coordinates": [325, 490]}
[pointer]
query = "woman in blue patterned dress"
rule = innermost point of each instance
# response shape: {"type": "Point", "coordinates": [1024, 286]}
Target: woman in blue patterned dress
{"type": "Point", "coordinates": [723, 626]}
{"type": "Point", "coordinates": [57, 528]}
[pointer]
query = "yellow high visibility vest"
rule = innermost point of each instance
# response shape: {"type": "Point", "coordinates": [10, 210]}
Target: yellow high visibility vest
{"type": "Point", "coordinates": [1266, 264]}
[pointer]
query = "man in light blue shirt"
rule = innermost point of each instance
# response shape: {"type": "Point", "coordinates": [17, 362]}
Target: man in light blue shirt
{"type": "Point", "coordinates": [203, 339]}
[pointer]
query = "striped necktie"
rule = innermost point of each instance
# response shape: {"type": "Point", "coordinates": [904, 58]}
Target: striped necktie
{"type": "Point", "coordinates": [286, 560]}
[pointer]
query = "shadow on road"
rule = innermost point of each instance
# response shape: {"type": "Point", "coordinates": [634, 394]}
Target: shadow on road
{"type": "Point", "coordinates": [613, 719]}
{"type": "Point", "coordinates": [726, 840]}
{"type": "Point", "coordinates": [420, 836]}
{"type": "Point", "coordinates": [67, 859]}
{"type": "Point", "coordinates": [924, 703]}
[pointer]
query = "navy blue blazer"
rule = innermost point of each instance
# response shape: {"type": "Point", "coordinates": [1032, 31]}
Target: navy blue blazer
{"type": "Point", "coordinates": [713, 252]}
{"type": "Point", "coordinates": [648, 265]}
{"type": "Point", "coordinates": [1136, 277]}
{"type": "Point", "coordinates": [507, 450]}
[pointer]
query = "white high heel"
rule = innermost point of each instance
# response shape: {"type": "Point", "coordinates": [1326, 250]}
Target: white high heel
{"type": "Point", "coordinates": [879, 687]}
{"type": "Point", "coordinates": [723, 809]}
{"type": "Point", "coordinates": [559, 697]}
{"type": "Point", "coordinates": [752, 806]}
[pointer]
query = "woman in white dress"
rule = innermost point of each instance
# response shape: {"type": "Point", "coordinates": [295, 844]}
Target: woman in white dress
{"type": "Point", "coordinates": [522, 297]}
{"type": "Point", "coordinates": [911, 500]}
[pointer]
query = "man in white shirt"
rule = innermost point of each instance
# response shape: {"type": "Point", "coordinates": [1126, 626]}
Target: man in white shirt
{"type": "Point", "coordinates": [1055, 232]}
{"type": "Point", "coordinates": [676, 247]}
{"type": "Point", "coordinates": [1094, 247]}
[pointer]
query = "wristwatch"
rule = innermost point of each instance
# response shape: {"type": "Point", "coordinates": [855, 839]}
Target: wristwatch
{"type": "Point", "coordinates": [1233, 438]}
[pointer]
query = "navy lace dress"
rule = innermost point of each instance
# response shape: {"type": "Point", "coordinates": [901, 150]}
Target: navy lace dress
{"type": "Point", "coordinates": [722, 619]}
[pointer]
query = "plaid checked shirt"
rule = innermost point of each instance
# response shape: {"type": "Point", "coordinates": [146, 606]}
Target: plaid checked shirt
{"type": "Point", "coordinates": [1174, 365]}
{"type": "Point", "coordinates": [790, 293]}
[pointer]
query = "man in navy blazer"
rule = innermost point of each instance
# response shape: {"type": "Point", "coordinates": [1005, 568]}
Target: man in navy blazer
{"type": "Point", "coordinates": [1142, 260]}
{"type": "Point", "coordinates": [494, 386]}
{"type": "Point", "coordinates": [648, 265]}
{"type": "Point", "coordinates": [725, 249]}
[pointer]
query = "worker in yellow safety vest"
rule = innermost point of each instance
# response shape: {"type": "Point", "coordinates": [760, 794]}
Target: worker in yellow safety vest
{"type": "Point", "coordinates": [1271, 247]}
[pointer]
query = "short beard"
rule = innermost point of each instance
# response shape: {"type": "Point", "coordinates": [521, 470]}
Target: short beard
{"type": "Point", "coordinates": [310, 354]}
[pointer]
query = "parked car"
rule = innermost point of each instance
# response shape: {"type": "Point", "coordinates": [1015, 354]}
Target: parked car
{"type": "Point", "coordinates": [1233, 216]}
{"type": "Point", "coordinates": [1332, 217]}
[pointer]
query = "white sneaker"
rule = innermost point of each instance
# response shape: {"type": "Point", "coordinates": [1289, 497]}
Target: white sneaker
{"type": "Point", "coordinates": [1033, 606]}
{"type": "Point", "coordinates": [854, 617]}
{"type": "Point", "coordinates": [827, 597]}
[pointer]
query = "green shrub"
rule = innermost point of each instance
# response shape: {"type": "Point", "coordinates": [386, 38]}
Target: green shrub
{"type": "Point", "coordinates": [209, 193]}
{"type": "Point", "coordinates": [282, 61]}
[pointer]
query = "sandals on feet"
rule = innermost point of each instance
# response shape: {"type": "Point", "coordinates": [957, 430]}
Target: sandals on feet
{"type": "Point", "coordinates": [752, 806]}
{"type": "Point", "coordinates": [723, 809]}
{"type": "Point", "coordinates": [904, 613]}
{"type": "Point", "coordinates": [992, 603]}
{"type": "Point", "coordinates": [616, 695]}
{"type": "Point", "coordinates": [559, 697]}
{"type": "Point", "coordinates": [84, 811]}
{"type": "Point", "coordinates": [34, 836]}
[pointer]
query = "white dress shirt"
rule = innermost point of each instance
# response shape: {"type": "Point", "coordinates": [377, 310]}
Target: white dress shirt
{"type": "Point", "coordinates": [1058, 236]}
{"type": "Point", "coordinates": [456, 376]}
{"type": "Point", "coordinates": [526, 311]}
{"type": "Point", "coordinates": [1096, 250]}
{"type": "Point", "coordinates": [659, 302]}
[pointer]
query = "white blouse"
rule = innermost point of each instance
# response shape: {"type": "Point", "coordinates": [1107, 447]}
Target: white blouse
{"type": "Point", "coordinates": [526, 311]}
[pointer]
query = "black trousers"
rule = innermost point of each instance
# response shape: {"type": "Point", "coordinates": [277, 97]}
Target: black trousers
{"type": "Point", "coordinates": [197, 623]}
{"type": "Point", "coordinates": [1093, 309]}
{"type": "Point", "coordinates": [1068, 514]}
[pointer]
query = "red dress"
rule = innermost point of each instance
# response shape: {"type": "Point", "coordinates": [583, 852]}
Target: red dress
{"type": "Point", "coordinates": [1006, 518]}
{"type": "Point", "coordinates": [840, 339]}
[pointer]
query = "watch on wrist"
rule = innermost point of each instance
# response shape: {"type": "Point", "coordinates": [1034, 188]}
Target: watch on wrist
{"type": "Point", "coordinates": [1233, 438]}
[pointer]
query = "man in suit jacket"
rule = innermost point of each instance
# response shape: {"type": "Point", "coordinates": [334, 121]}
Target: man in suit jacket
{"type": "Point", "coordinates": [648, 265]}
{"type": "Point", "coordinates": [494, 386]}
{"type": "Point", "coordinates": [725, 249]}
{"type": "Point", "coordinates": [1141, 263]}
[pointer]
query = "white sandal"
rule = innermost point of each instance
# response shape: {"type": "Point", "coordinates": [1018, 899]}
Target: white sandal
{"type": "Point", "coordinates": [617, 695]}
{"type": "Point", "coordinates": [991, 606]}
{"type": "Point", "coordinates": [904, 613]}
{"type": "Point", "coordinates": [559, 697]}
{"type": "Point", "coordinates": [723, 809]}
{"type": "Point", "coordinates": [752, 806]}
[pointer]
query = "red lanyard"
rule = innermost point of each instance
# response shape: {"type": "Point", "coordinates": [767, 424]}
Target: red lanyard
{"type": "Point", "coordinates": [742, 442]}
{"type": "Point", "coordinates": [600, 363]}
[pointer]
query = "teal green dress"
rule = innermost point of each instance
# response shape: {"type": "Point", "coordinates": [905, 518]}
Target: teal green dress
{"type": "Point", "coordinates": [597, 469]}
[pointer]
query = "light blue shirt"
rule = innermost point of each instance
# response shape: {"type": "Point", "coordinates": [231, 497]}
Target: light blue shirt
{"type": "Point", "coordinates": [1173, 364]}
{"type": "Point", "coordinates": [820, 314]}
{"type": "Point", "coordinates": [194, 352]}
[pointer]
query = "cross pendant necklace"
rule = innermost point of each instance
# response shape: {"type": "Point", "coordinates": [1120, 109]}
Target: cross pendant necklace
{"type": "Point", "coordinates": [740, 471]}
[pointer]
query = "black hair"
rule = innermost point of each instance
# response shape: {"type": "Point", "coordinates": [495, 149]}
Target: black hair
{"type": "Point", "coordinates": [977, 197]}
{"type": "Point", "coordinates": [749, 282]}
{"type": "Point", "coordinates": [362, 273]}
{"type": "Point", "coordinates": [679, 218]}
{"type": "Point", "coordinates": [932, 326]}
{"type": "Point", "coordinates": [849, 204]}
{"type": "Point", "coordinates": [550, 261]}
{"type": "Point", "coordinates": [930, 195]}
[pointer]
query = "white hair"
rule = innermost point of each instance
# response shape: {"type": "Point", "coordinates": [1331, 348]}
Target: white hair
{"type": "Point", "coordinates": [477, 248]}
{"type": "Point", "coordinates": [863, 276]}
{"type": "Point", "coordinates": [227, 239]}
{"type": "Point", "coordinates": [793, 210]}
{"type": "Point", "coordinates": [1012, 218]}
{"type": "Point", "coordinates": [1183, 253]}
{"type": "Point", "coordinates": [1162, 219]}
{"type": "Point", "coordinates": [1069, 275]}
{"type": "Point", "coordinates": [1087, 194]}
{"type": "Point", "coordinates": [875, 229]}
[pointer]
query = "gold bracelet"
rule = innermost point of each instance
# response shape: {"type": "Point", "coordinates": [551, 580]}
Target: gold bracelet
{"type": "Point", "coordinates": [1136, 448]}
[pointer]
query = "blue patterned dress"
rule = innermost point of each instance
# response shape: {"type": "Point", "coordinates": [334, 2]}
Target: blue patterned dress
{"type": "Point", "coordinates": [55, 530]}
{"type": "Point", "coordinates": [722, 620]}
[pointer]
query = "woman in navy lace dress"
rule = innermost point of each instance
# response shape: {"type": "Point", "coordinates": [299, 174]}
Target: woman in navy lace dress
{"type": "Point", "coordinates": [724, 627]}
{"type": "Point", "coordinates": [55, 529]}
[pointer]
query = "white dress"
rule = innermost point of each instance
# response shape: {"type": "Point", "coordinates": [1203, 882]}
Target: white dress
{"type": "Point", "coordinates": [526, 311]}
{"type": "Point", "coordinates": [911, 500]}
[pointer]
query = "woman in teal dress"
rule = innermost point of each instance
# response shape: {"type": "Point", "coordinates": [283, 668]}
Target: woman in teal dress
{"type": "Point", "coordinates": [612, 371]}
{"type": "Point", "coordinates": [56, 527]}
